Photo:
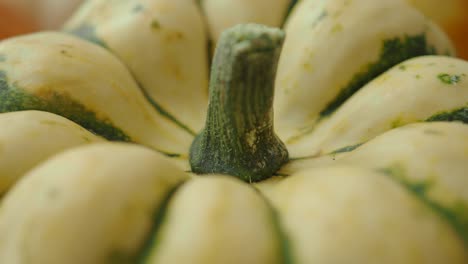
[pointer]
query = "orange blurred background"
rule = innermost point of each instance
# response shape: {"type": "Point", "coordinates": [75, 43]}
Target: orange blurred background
{"type": "Point", "coordinates": [452, 16]}
{"type": "Point", "coordinates": [14, 22]}
{"type": "Point", "coordinates": [24, 16]}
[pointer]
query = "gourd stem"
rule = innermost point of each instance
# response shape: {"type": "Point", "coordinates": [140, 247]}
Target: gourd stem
{"type": "Point", "coordinates": [238, 138]}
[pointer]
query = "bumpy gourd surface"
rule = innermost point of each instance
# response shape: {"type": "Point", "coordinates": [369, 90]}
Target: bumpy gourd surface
{"type": "Point", "coordinates": [371, 107]}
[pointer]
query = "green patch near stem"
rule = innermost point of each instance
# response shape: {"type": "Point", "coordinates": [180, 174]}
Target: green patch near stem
{"type": "Point", "coordinates": [15, 99]}
{"type": "Point", "coordinates": [393, 51]}
{"type": "Point", "coordinates": [3, 58]}
{"type": "Point", "coordinates": [456, 215]}
{"type": "Point", "coordinates": [457, 115]}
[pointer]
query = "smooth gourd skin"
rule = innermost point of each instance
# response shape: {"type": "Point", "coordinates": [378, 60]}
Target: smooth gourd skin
{"type": "Point", "coordinates": [28, 138]}
{"type": "Point", "coordinates": [223, 14]}
{"type": "Point", "coordinates": [93, 204]}
{"type": "Point", "coordinates": [85, 83]}
{"type": "Point", "coordinates": [381, 178]}
{"type": "Point", "coordinates": [177, 68]}
{"type": "Point", "coordinates": [419, 89]}
{"type": "Point", "coordinates": [391, 32]}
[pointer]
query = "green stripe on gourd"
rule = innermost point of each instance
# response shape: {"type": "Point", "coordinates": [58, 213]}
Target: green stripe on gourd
{"type": "Point", "coordinates": [456, 215]}
{"type": "Point", "coordinates": [88, 32]}
{"type": "Point", "coordinates": [457, 115]}
{"type": "Point", "coordinates": [338, 151]}
{"type": "Point", "coordinates": [393, 51]}
{"type": "Point", "coordinates": [151, 241]}
{"type": "Point", "coordinates": [393, 99]}
{"type": "Point", "coordinates": [346, 149]}
{"type": "Point", "coordinates": [285, 242]}
{"type": "Point", "coordinates": [120, 257]}
{"type": "Point", "coordinates": [333, 153]}
{"type": "Point", "coordinates": [460, 115]}
{"type": "Point", "coordinates": [15, 99]}
{"type": "Point", "coordinates": [290, 8]}
{"type": "Point", "coordinates": [217, 205]}
{"type": "Point", "coordinates": [209, 40]}
{"type": "Point", "coordinates": [164, 112]}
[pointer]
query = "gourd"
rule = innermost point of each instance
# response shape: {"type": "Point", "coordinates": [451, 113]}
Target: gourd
{"type": "Point", "coordinates": [368, 164]}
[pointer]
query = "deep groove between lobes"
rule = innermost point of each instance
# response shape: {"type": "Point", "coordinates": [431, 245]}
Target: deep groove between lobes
{"type": "Point", "coordinates": [157, 221]}
{"type": "Point", "coordinates": [284, 240]}
{"type": "Point", "coordinates": [88, 32]}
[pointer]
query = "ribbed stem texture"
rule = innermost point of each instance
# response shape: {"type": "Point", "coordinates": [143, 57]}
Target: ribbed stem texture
{"type": "Point", "coordinates": [238, 138]}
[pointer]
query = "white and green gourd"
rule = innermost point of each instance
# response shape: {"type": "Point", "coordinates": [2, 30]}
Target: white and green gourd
{"type": "Point", "coordinates": [115, 149]}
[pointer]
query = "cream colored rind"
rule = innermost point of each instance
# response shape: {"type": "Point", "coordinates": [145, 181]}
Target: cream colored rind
{"type": "Point", "coordinates": [223, 14]}
{"type": "Point", "coordinates": [49, 63]}
{"type": "Point", "coordinates": [164, 44]}
{"type": "Point", "coordinates": [412, 91]}
{"type": "Point", "coordinates": [330, 42]}
{"type": "Point", "coordinates": [353, 215]}
{"type": "Point", "coordinates": [217, 219]}
{"type": "Point", "coordinates": [28, 138]}
{"type": "Point", "coordinates": [434, 155]}
{"type": "Point", "coordinates": [92, 204]}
